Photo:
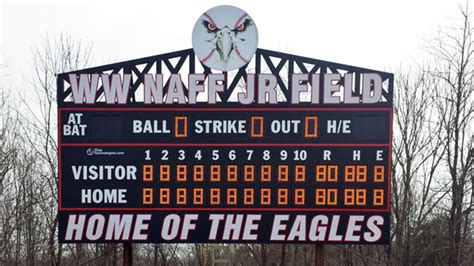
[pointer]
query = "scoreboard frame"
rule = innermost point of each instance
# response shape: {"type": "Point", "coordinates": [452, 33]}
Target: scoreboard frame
{"type": "Point", "coordinates": [295, 64]}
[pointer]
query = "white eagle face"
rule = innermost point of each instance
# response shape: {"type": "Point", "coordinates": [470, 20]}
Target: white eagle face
{"type": "Point", "coordinates": [225, 38]}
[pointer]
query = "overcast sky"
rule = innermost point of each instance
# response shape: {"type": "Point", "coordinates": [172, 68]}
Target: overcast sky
{"type": "Point", "coordinates": [373, 34]}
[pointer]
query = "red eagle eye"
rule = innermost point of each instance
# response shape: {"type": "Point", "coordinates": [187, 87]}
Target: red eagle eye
{"type": "Point", "coordinates": [212, 26]}
{"type": "Point", "coordinates": [241, 27]}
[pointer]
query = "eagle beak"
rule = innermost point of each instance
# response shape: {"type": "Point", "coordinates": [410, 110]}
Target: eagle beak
{"type": "Point", "coordinates": [225, 44]}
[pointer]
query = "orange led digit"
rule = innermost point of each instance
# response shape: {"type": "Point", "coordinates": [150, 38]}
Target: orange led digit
{"type": "Point", "coordinates": [379, 173]}
{"type": "Point", "coordinates": [266, 173]}
{"type": "Point", "coordinates": [215, 196]}
{"type": "Point", "coordinates": [282, 196]}
{"type": "Point", "coordinates": [360, 197]}
{"type": "Point", "coordinates": [147, 196]}
{"type": "Point", "coordinates": [147, 172]}
{"type": "Point", "coordinates": [283, 173]}
{"type": "Point", "coordinates": [332, 196]}
{"type": "Point", "coordinates": [299, 196]}
{"type": "Point", "coordinates": [249, 173]}
{"type": "Point", "coordinates": [349, 197]}
{"type": "Point", "coordinates": [256, 131]}
{"type": "Point", "coordinates": [300, 173]}
{"type": "Point", "coordinates": [198, 196]}
{"type": "Point", "coordinates": [332, 173]}
{"type": "Point", "coordinates": [320, 196]}
{"type": "Point", "coordinates": [311, 132]}
{"type": "Point", "coordinates": [321, 173]}
{"type": "Point", "coordinates": [164, 196]}
{"type": "Point", "coordinates": [215, 172]}
{"type": "Point", "coordinates": [265, 196]}
{"type": "Point", "coordinates": [231, 196]}
{"type": "Point", "coordinates": [248, 196]}
{"type": "Point", "coordinates": [181, 172]}
{"type": "Point", "coordinates": [349, 173]}
{"type": "Point", "coordinates": [181, 196]}
{"type": "Point", "coordinates": [378, 197]}
{"type": "Point", "coordinates": [184, 132]}
{"type": "Point", "coordinates": [165, 172]}
{"type": "Point", "coordinates": [198, 173]}
{"type": "Point", "coordinates": [361, 173]}
{"type": "Point", "coordinates": [232, 173]}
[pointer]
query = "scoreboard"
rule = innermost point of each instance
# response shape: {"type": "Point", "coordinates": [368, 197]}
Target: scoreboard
{"type": "Point", "coordinates": [224, 143]}
{"type": "Point", "coordinates": [225, 173]}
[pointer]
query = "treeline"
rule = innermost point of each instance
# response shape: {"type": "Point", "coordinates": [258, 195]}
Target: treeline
{"type": "Point", "coordinates": [432, 175]}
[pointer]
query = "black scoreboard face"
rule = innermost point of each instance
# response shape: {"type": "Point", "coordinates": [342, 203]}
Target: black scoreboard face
{"type": "Point", "coordinates": [225, 173]}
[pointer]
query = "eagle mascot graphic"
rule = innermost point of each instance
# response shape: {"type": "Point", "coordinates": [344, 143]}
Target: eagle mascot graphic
{"type": "Point", "coordinates": [225, 38]}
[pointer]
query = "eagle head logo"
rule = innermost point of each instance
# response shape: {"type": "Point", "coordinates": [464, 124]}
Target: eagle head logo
{"type": "Point", "coordinates": [225, 38]}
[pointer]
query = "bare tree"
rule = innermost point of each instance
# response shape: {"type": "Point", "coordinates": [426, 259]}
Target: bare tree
{"type": "Point", "coordinates": [5, 124]}
{"type": "Point", "coordinates": [453, 51]}
{"type": "Point", "coordinates": [417, 153]}
{"type": "Point", "coordinates": [50, 57]}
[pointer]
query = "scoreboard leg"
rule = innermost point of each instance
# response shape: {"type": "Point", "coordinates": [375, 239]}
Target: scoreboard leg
{"type": "Point", "coordinates": [127, 254]}
{"type": "Point", "coordinates": [319, 255]}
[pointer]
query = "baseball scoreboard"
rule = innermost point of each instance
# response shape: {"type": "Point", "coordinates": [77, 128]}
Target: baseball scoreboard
{"type": "Point", "coordinates": [159, 150]}
{"type": "Point", "coordinates": [224, 174]}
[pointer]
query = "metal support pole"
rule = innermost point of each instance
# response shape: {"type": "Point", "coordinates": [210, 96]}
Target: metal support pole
{"type": "Point", "coordinates": [319, 255]}
{"type": "Point", "coordinates": [127, 254]}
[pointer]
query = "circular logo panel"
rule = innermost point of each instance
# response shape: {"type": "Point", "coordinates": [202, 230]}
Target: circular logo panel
{"type": "Point", "coordinates": [225, 38]}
